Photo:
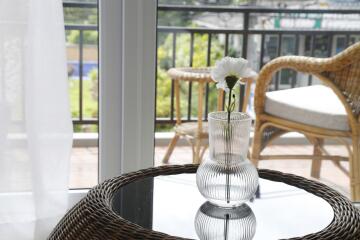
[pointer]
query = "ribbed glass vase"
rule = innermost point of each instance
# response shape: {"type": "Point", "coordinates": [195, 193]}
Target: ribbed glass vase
{"type": "Point", "coordinates": [213, 222]}
{"type": "Point", "coordinates": [226, 177]}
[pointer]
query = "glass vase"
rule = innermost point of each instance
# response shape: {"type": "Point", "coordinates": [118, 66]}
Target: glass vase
{"type": "Point", "coordinates": [226, 177]}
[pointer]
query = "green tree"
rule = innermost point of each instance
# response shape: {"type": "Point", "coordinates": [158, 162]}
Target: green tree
{"type": "Point", "coordinates": [84, 16]}
{"type": "Point", "coordinates": [183, 59]}
{"type": "Point", "coordinates": [90, 100]}
{"type": "Point", "coordinates": [90, 37]}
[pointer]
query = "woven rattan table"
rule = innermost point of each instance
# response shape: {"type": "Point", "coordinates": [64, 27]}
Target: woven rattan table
{"type": "Point", "coordinates": [160, 203]}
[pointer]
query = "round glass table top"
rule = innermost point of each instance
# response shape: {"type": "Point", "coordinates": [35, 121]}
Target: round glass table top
{"type": "Point", "coordinates": [173, 205]}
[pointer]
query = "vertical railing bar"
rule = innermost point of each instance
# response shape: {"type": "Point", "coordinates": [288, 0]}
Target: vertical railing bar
{"type": "Point", "coordinates": [330, 45]}
{"type": "Point", "coordinates": [207, 89]}
{"type": "Point", "coordinates": [312, 55]}
{"type": "Point", "coordinates": [244, 55]}
{"type": "Point", "coordinates": [81, 39]}
{"type": "Point", "coordinates": [190, 82]}
{"type": "Point", "coordinates": [245, 35]}
{"type": "Point", "coordinates": [277, 80]}
{"type": "Point", "coordinates": [241, 99]}
{"type": "Point", "coordinates": [208, 60]}
{"type": "Point", "coordinates": [172, 81]}
{"type": "Point", "coordinates": [347, 40]}
{"type": "Point", "coordinates": [294, 80]}
{"type": "Point", "coordinates": [226, 50]}
{"type": "Point", "coordinates": [262, 50]}
{"type": "Point", "coordinates": [191, 49]}
{"type": "Point", "coordinates": [174, 50]}
{"type": "Point", "coordinates": [208, 63]}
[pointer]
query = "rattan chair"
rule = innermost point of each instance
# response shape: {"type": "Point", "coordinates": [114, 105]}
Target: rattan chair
{"type": "Point", "coordinates": [196, 133]}
{"type": "Point", "coordinates": [333, 111]}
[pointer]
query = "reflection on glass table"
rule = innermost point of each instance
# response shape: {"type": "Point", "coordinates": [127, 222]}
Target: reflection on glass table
{"type": "Point", "coordinates": [212, 222]}
{"type": "Point", "coordinates": [170, 204]}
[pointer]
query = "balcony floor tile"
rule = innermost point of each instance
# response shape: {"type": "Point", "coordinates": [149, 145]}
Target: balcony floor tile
{"type": "Point", "coordinates": [84, 164]}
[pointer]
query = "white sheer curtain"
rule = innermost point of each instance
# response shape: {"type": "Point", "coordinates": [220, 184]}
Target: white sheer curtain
{"type": "Point", "coordinates": [35, 121]}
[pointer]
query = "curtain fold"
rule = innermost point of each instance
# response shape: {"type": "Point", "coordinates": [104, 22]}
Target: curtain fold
{"type": "Point", "coordinates": [35, 120]}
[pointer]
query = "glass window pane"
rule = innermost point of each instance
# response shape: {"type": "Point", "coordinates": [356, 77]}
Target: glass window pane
{"type": "Point", "coordinates": [82, 61]}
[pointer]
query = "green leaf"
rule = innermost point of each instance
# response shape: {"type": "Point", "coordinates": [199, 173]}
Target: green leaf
{"type": "Point", "coordinates": [232, 106]}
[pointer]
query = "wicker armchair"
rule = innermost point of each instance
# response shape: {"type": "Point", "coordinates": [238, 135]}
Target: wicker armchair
{"type": "Point", "coordinates": [334, 114]}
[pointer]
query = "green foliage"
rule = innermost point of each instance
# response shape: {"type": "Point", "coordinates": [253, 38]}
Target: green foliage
{"type": "Point", "coordinates": [94, 85]}
{"type": "Point", "coordinates": [178, 2]}
{"type": "Point", "coordinates": [198, 2]}
{"type": "Point", "coordinates": [88, 16]}
{"type": "Point", "coordinates": [85, 16]}
{"type": "Point", "coordinates": [176, 18]}
{"type": "Point", "coordinates": [163, 93]}
{"type": "Point", "coordinates": [164, 127]}
{"type": "Point", "coordinates": [90, 101]}
{"type": "Point", "coordinates": [182, 60]}
{"type": "Point", "coordinates": [82, 16]}
{"type": "Point", "coordinates": [89, 37]}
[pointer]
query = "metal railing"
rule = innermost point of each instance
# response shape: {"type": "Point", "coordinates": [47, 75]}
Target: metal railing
{"type": "Point", "coordinates": [81, 120]}
{"type": "Point", "coordinates": [310, 36]}
{"type": "Point", "coordinates": [246, 32]}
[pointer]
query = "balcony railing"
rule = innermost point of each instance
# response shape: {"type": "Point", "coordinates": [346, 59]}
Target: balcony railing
{"type": "Point", "coordinates": [79, 48]}
{"type": "Point", "coordinates": [258, 43]}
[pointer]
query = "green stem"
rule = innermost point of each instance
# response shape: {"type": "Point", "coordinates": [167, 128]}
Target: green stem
{"type": "Point", "coordinates": [228, 107]}
{"type": "Point", "coordinates": [228, 150]}
{"type": "Point", "coordinates": [231, 82]}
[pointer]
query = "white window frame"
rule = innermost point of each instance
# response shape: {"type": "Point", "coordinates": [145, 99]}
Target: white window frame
{"type": "Point", "coordinates": [127, 63]}
{"type": "Point", "coordinates": [127, 85]}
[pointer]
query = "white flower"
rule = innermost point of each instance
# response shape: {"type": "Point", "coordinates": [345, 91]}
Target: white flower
{"type": "Point", "coordinates": [229, 66]}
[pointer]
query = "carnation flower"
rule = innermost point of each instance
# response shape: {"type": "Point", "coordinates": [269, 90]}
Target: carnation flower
{"type": "Point", "coordinates": [233, 69]}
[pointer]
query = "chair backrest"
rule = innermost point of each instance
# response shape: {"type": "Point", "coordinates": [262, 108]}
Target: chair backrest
{"type": "Point", "coordinates": [344, 72]}
{"type": "Point", "coordinates": [340, 72]}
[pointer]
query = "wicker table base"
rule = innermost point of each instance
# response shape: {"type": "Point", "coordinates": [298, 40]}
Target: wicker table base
{"type": "Point", "coordinates": [93, 217]}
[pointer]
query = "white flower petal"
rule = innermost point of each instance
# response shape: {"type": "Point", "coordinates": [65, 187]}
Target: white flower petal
{"type": "Point", "coordinates": [222, 85]}
{"type": "Point", "coordinates": [249, 73]}
{"type": "Point", "coordinates": [230, 66]}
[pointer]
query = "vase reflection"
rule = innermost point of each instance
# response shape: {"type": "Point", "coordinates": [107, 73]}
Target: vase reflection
{"type": "Point", "coordinates": [212, 222]}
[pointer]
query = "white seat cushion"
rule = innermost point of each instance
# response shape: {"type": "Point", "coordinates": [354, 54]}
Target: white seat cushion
{"type": "Point", "coordinates": [314, 105]}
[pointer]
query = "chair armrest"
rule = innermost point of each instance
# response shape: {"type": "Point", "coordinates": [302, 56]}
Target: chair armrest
{"type": "Point", "coordinates": [308, 65]}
